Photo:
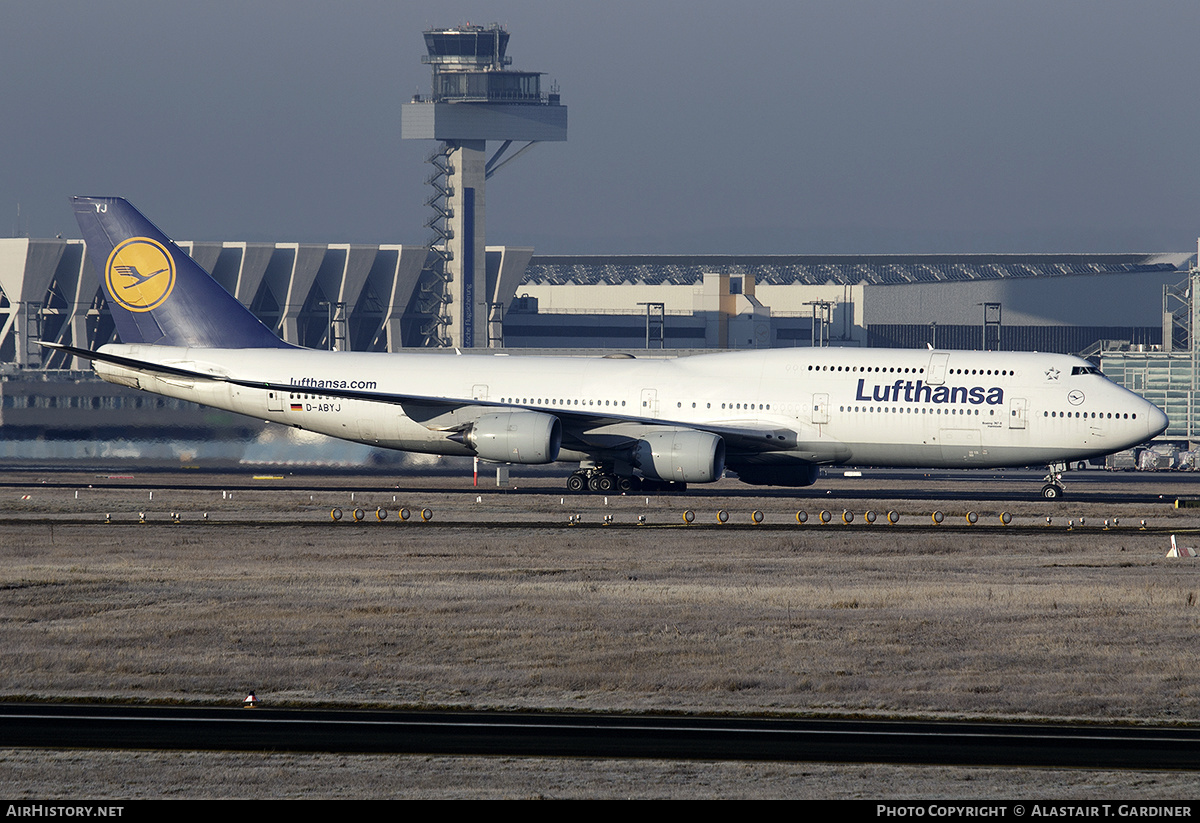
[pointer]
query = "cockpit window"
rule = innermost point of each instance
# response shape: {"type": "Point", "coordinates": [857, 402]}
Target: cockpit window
{"type": "Point", "coordinates": [1086, 370]}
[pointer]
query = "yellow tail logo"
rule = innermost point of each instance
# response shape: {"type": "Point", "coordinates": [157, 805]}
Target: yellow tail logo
{"type": "Point", "coordinates": [140, 274]}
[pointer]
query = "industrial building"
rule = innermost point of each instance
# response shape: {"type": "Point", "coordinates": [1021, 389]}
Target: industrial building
{"type": "Point", "coordinates": [366, 298]}
{"type": "Point", "coordinates": [1167, 375]}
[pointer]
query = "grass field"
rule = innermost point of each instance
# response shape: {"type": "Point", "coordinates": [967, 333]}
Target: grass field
{"type": "Point", "coordinates": [1087, 623]}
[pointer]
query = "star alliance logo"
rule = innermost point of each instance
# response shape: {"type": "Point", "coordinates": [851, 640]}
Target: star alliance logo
{"type": "Point", "coordinates": [140, 274]}
{"type": "Point", "coordinates": [1052, 373]}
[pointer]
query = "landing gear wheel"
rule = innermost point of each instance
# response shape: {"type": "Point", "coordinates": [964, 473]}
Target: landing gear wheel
{"type": "Point", "coordinates": [606, 483]}
{"type": "Point", "coordinates": [576, 483]}
{"type": "Point", "coordinates": [1051, 491]}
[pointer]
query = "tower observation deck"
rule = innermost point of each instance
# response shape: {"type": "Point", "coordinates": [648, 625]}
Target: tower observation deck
{"type": "Point", "coordinates": [474, 99]}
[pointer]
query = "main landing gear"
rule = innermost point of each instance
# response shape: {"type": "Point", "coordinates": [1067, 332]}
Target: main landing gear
{"type": "Point", "coordinates": [1054, 489]}
{"type": "Point", "coordinates": [599, 481]}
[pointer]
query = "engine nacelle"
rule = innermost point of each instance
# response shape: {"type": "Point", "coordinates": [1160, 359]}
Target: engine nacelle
{"type": "Point", "coordinates": [683, 455]}
{"type": "Point", "coordinates": [516, 437]}
{"type": "Point", "coordinates": [801, 475]}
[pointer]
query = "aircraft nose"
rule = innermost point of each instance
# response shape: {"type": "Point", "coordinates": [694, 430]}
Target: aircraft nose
{"type": "Point", "coordinates": [1156, 421]}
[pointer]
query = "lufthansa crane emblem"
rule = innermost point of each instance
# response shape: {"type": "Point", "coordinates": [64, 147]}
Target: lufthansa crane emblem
{"type": "Point", "coordinates": [140, 274]}
{"type": "Point", "coordinates": [1075, 397]}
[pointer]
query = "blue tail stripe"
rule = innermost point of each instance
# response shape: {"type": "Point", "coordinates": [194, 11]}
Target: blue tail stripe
{"type": "Point", "coordinates": [156, 293]}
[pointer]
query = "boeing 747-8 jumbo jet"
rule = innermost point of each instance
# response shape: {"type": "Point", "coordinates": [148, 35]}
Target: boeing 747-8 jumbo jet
{"type": "Point", "coordinates": [774, 417]}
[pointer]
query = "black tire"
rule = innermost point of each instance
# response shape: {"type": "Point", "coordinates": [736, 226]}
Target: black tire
{"type": "Point", "coordinates": [606, 483]}
{"type": "Point", "coordinates": [576, 483]}
{"type": "Point", "coordinates": [1052, 492]}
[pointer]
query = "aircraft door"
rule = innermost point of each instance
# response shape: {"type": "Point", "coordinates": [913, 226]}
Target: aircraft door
{"type": "Point", "coordinates": [274, 400]}
{"type": "Point", "coordinates": [650, 402]}
{"type": "Point", "coordinates": [479, 391]}
{"type": "Point", "coordinates": [820, 409]}
{"type": "Point", "coordinates": [937, 369]}
{"type": "Point", "coordinates": [1018, 413]}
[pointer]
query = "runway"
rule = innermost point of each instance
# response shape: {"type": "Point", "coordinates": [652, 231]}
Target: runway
{"type": "Point", "coordinates": [909, 501]}
{"type": "Point", "coordinates": [1014, 485]}
{"type": "Point", "coordinates": [599, 735]}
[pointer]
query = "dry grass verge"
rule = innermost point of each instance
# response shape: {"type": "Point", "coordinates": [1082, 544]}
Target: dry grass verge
{"type": "Point", "coordinates": [1097, 626]}
{"type": "Point", "coordinates": [1086, 624]}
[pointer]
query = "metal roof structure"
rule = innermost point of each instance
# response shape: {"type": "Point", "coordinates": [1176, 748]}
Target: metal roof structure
{"type": "Point", "coordinates": [879, 270]}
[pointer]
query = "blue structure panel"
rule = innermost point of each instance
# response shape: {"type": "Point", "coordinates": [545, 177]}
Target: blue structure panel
{"type": "Point", "coordinates": [468, 268]}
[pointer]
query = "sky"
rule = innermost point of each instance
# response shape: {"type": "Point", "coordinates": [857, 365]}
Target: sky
{"type": "Point", "coordinates": [705, 127]}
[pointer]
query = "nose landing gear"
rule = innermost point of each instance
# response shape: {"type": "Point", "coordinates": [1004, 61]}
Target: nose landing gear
{"type": "Point", "coordinates": [1053, 488]}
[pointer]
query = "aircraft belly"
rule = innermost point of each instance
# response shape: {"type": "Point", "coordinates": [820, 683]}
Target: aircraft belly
{"type": "Point", "coordinates": [375, 424]}
{"type": "Point", "coordinates": [825, 451]}
{"type": "Point", "coordinates": [205, 392]}
{"type": "Point", "coordinates": [895, 454]}
{"type": "Point", "coordinates": [941, 455]}
{"type": "Point", "coordinates": [963, 447]}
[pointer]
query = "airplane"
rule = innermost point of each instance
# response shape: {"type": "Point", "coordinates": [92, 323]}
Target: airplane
{"type": "Point", "coordinates": [773, 417]}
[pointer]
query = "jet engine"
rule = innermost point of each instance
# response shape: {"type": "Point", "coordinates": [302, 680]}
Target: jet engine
{"type": "Point", "coordinates": [801, 475]}
{"type": "Point", "coordinates": [516, 437]}
{"type": "Point", "coordinates": [683, 455]}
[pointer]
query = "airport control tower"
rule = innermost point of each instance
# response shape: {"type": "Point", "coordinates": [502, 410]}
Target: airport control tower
{"type": "Point", "coordinates": [474, 99]}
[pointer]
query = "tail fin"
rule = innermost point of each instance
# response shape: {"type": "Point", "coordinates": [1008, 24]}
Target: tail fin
{"type": "Point", "coordinates": [157, 294]}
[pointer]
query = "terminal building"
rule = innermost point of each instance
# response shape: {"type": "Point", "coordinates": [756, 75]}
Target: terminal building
{"type": "Point", "coordinates": [359, 297]}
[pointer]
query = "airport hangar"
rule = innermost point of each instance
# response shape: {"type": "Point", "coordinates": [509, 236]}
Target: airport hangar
{"type": "Point", "coordinates": [1132, 313]}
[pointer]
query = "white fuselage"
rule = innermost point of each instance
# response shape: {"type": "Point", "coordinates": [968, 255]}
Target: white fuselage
{"type": "Point", "coordinates": [884, 407]}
